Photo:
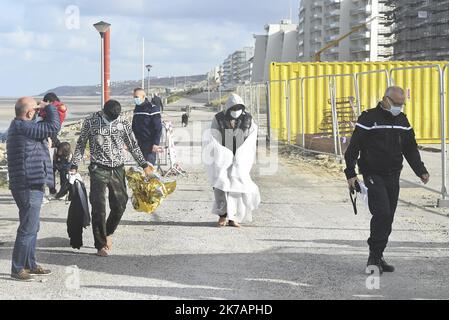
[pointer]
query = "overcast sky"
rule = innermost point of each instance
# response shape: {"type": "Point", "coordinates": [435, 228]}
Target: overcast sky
{"type": "Point", "coordinates": [41, 46]}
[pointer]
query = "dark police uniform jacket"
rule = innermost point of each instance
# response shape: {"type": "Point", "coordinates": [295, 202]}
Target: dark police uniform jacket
{"type": "Point", "coordinates": [147, 125]}
{"type": "Point", "coordinates": [379, 144]}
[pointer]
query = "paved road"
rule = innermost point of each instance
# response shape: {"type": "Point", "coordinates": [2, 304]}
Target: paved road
{"type": "Point", "coordinates": [198, 100]}
{"type": "Point", "coordinates": [305, 243]}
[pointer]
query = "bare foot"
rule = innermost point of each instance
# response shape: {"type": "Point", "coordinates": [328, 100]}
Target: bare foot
{"type": "Point", "coordinates": [103, 253]}
{"type": "Point", "coordinates": [109, 242]}
{"type": "Point", "coordinates": [234, 224]}
{"type": "Point", "coordinates": [222, 222]}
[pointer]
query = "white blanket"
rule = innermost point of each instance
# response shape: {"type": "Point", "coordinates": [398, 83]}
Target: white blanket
{"type": "Point", "coordinates": [232, 175]}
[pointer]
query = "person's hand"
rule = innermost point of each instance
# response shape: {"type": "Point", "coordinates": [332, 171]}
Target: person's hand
{"type": "Point", "coordinates": [352, 181]}
{"type": "Point", "coordinates": [149, 171]}
{"type": "Point", "coordinates": [43, 104]}
{"type": "Point", "coordinates": [157, 149]}
{"type": "Point", "coordinates": [425, 178]}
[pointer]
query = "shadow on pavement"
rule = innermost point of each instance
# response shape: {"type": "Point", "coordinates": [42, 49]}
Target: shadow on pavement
{"type": "Point", "coordinates": [363, 244]}
{"type": "Point", "coordinates": [212, 224]}
{"type": "Point", "coordinates": [273, 274]}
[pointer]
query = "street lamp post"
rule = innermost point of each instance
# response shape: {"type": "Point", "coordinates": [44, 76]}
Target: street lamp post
{"type": "Point", "coordinates": [219, 90]}
{"type": "Point", "coordinates": [149, 66]}
{"type": "Point", "coordinates": [104, 29]}
{"type": "Point", "coordinates": [208, 89]}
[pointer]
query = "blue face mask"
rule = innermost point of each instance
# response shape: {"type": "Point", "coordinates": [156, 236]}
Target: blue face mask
{"type": "Point", "coordinates": [137, 101]}
{"type": "Point", "coordinates": [396, 110]}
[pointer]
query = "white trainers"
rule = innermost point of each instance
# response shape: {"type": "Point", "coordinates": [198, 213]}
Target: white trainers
{"type": "Point", "coordinates": [45, 200]}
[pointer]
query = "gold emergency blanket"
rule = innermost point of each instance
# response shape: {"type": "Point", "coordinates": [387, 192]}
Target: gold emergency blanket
{"type": "Point", "coordinates": [148, 194]}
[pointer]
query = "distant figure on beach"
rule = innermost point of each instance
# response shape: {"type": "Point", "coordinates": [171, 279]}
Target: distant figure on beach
{"type": "Point", "coordinates": [107, 133]}
{"type": "Point", "coordinates": [30, 169]}
{"type": "Point", "coordinates": [147, 126]}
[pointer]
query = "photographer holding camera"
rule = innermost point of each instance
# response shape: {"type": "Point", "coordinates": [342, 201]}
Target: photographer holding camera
{"type": "Point", "coordinates": [382, 138]}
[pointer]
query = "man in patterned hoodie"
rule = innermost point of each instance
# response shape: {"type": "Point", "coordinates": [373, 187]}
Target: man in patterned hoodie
{"type": "Point", "coordinates": [108, 133]}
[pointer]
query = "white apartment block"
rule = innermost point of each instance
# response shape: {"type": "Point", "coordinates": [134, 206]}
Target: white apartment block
{"type": "Point", "coordinates": [214, 75]}
{"type": "Point", "coordinates": [278, 44]}
{"type": "Point", "coordinates": [323, 21]}
{"type": "Point", "coordinates": [237, 68]}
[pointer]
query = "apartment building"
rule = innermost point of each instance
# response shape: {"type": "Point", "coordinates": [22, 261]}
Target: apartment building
{"type": "Point", "coordinates": [278, 44]}
{"type": "Point", "coordinates": [237, 68]}
{"type": "Point", "coordinates": [323, 21]}
{"type": "Point", "coordinates": [421, 29]}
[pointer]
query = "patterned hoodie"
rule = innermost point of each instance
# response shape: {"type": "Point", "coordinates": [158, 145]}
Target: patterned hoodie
{"type": "Point", "coordinates": [107, 140]}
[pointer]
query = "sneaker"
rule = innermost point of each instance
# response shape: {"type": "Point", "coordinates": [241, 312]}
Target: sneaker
{"type": "Point", "coordinates": [385, 266]}
{"type": "Point", "coordinates": [45, 200]}
{"type": "Point", "coordinates": [23, 276]}
{"type": "Point", "coordinates": [39, 271]}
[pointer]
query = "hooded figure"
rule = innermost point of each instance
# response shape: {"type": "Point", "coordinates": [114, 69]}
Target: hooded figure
{"type": "Point", "coordinates": [229, 154]}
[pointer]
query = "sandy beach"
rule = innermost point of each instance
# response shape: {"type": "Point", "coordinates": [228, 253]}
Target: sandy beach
{"type": "Point", "coordinates": [78, 107]}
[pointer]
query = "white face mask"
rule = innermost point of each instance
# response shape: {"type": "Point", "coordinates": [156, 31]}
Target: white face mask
{"type": "Point", "coordinates": [236, 114]}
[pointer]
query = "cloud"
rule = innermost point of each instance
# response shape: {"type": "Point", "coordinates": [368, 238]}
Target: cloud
{"type": "Point", "coordinates": [181, 37]}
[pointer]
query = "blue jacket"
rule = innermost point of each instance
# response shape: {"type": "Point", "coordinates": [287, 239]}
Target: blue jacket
{"type": "Point", "coordinates": [147, 125]}
{"type": "Point", "coordinates": [29, 162]}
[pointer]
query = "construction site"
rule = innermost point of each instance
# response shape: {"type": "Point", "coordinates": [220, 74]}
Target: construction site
{"type": "Point", "coordinates": [419, 24]}
{"type": "Point", "coordinates": [307, 236]}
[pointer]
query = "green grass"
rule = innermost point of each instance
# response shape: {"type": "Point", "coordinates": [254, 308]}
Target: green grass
{"type": "Point", "coordinates": [173, 98]}
{"type": "Point", "coordinates": [217, 102]}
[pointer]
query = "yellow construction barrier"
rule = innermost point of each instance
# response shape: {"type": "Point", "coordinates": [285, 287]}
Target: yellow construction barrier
{"type": "Point", "coordinates": [300, 94]}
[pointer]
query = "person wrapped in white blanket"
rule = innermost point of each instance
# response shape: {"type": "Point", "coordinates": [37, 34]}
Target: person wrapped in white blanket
{"type": "Point", "coordinates": [229, 154]}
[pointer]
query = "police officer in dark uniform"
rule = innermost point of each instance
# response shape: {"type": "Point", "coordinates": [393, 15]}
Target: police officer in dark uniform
{"type": "Point", "coordinates": [382, 138]}
{"type": "Point", "coordinates": [147, 126]}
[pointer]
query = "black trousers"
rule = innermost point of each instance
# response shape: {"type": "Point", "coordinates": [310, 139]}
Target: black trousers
{"type": "Point", "coordinates": [64, 184]}
{"type": "Point", "coordinates": [114, 180]}
{"type": "Point", "coordinates": [383, 194]}
{"type": "Point", "coordinates": [148, 153]}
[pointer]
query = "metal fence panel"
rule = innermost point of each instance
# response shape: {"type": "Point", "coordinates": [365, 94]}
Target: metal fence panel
{"type": "Point", "coordinates": [423, 95]}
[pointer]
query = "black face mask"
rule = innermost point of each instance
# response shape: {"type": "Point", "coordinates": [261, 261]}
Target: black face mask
{"type": "Point", "coordinates": [112, 113]}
